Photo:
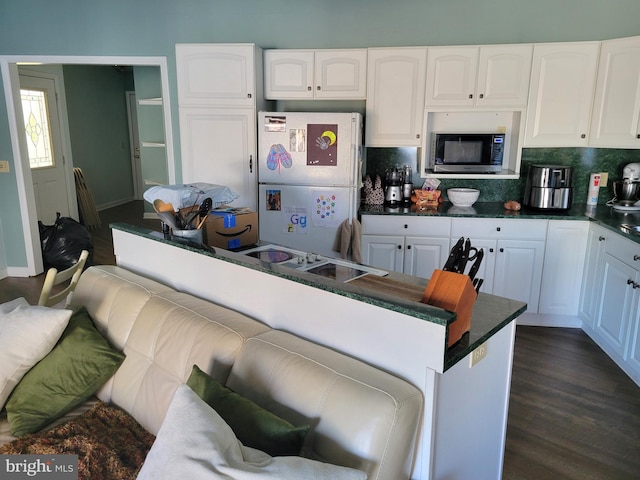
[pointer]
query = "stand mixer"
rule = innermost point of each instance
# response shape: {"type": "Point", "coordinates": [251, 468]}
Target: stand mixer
{"type": "Point", "coordinates": [626, 193]}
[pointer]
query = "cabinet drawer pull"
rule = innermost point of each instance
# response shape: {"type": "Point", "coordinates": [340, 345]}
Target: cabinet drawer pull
{"type": "Point", "coordinates": [497, 229]}
{"type": "Point", "coordinates": [406, 226]}
{"type": "Point", "coordinates": [601, 238]}
{"type": "Point", "coordinates": [502, 250]}
{"type": "Point", "coordinates": [584, 135]}
{"type": "Point", "coordinates": [636, 258]}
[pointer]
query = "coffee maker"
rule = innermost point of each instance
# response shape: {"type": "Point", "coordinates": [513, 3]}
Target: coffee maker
{"type": "Point", "coordinates": [393, 188]}
{"type": "Point", "coordinates": [626, 193]}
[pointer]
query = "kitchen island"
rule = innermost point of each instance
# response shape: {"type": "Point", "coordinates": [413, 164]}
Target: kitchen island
{"type": "Point", "coordinates": [466, 403]}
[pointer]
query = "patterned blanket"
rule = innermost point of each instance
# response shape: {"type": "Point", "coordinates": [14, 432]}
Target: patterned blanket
{"type": "Point", "coordinates": [109, 443]}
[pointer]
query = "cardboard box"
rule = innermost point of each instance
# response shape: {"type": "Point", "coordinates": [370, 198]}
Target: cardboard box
{"type": "Point", "coordinates": [231, 228]}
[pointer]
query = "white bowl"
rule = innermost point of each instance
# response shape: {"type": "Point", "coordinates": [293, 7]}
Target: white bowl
{"type": "Point", "coordinates": [463, 197]}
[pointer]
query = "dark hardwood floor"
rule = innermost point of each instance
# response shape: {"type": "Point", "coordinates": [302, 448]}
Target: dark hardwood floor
{"type": "Point", "coordinates": [573, 414]}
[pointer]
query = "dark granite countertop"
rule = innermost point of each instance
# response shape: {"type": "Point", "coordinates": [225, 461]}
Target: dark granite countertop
{"type": "Point", "coordinates": [602, 214]}
{"type": "Point", "coordinates": [490, 313]}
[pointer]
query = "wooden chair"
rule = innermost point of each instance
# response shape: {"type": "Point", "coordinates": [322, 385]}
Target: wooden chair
{"type": "Point", "coordinates": [71, 274]}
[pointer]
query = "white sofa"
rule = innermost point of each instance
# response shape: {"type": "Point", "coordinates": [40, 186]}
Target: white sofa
{"type": "Point", "coordinates": [360, 416]}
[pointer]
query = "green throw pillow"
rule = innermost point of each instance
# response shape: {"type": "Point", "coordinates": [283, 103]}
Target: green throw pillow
{"type": "Point", "coordinates": [80, 363]}
{"type": "Point", "coordinates": [253, 425]}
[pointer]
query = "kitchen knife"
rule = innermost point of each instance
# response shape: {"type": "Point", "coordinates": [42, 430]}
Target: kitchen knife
{"type": "Point", "coordinates": [454, 256]}
{"type": "Point", "coordinates": [464, 257]}
{"type": "Point", "coordinates": [476, 264]}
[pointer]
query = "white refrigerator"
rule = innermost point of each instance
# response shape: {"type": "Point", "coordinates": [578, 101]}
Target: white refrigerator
{"type": "Point", "coordinates": [308, 177]}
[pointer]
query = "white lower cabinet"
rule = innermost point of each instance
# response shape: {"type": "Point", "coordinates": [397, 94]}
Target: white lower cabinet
{"type": "Point", "coordinates": [513, 255]}
{"type": "Point", "coordinates": [411, 245]}
{"type": "Point", "coordinates": [592, 282]}
{"type": "Point", "coordinates": [612, 318]}
{"type": "Point", "coordinates": [563, 266]}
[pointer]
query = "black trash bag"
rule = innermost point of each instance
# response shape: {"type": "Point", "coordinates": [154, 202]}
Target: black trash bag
{"type": "Point", "coordinates": [63, 242]}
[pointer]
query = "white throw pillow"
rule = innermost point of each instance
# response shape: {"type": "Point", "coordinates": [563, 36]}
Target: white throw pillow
{"type": "Point", "coordinates": [194, 442]}
{"type": "Point", "coordinates": [13, 304]}
{"type": "Point", "coordinates": [27, 334]}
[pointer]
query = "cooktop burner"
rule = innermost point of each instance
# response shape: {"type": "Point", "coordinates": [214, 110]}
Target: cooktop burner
{"type": "Point", "coordinates": [340, 273]}
{"type": "Point", "coordinates": [271, 255]}
{"type": "Point", "coordinates": [328, 267]}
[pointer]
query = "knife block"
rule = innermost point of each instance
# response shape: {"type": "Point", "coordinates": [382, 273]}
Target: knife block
{"type": "Point", "coordinates": [453, 292]}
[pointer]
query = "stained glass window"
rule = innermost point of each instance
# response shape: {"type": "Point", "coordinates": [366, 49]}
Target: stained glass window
{"type": "Point", "coordinates": [36, 120]}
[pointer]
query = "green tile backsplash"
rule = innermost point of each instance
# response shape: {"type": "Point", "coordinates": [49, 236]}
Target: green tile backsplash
{"type": "Point", "coordinates": [584, 161]}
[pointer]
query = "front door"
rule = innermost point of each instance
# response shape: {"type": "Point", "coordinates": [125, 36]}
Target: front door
{"type": "Point", "coordinates": [44, 143]}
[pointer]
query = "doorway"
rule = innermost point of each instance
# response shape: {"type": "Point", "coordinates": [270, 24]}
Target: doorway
{"type": "Point", "coordinates": [42, 123]}
{"type": "Point", "coordinates": [26, 210]}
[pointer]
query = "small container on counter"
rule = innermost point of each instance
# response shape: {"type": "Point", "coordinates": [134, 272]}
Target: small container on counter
{"type": "Point", "coordinates": [594, 189]}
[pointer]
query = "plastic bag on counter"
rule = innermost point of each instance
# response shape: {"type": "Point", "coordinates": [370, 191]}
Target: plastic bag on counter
{"type": "Point", "coordinates": [63, 242]}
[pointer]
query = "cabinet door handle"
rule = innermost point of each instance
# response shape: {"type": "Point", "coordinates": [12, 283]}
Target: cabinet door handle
{"type": "Point", "coordinates": [491, 250]}
{"type": "Point", "coordinates": [471, 95]}
{"type": "Point", "coordinates": [250, 163]}
{"type": "Point", "coordinates": [502, 250]}
{"type": "Point", "coordinates": [601, 238]}
{"type": "Point", "coordinates": [318, 87]}
{"type": "Point", "coordinates": [498, 229]}
{"type": "Point", "coordinates": [308, 89]}
{"type": "Point", "coordinates": [406, 226]}
{"type": "Point", "coordinates": [399, 247]}
{"type": "Point", "coordinates": [583, 135]}
{"type": "Point", "coordinates": [482, 95]}
{"type": "Point", "coordinates": [249, 95]}
{"type": "Point", "coordinates": [636, 258]}
{"type": "Point", "coordinates": [417, 135]}
{"type": "Point", "coordinates": [408, 247]}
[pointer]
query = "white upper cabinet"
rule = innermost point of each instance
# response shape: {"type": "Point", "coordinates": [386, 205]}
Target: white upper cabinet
{"type": "Point", "coordinates": [616, 108]}
{"type": "Point", "coordinates": [216, 74]}
{"type": "Point", "coordinates": [332, 74]}
{"type": "Point", "coordinates": [562, 83]}
{"type": "Point", "coordinates": [395, 96]}
{"type": "Point", "coordinates": [478, 76]}
{"type": "Point", "coordinates": [451, 76]}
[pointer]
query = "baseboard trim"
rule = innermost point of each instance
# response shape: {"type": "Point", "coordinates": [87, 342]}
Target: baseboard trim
{"type": "Point", "coordinates": [548, 320]}
{"type": "Point", "coordinates": [17, 272]}
{"type": "Point", "coordinates": [115, 203]}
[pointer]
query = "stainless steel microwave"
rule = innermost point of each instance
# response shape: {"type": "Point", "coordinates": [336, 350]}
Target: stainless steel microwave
{"type": "Point", "coordinates": [467, 152]}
